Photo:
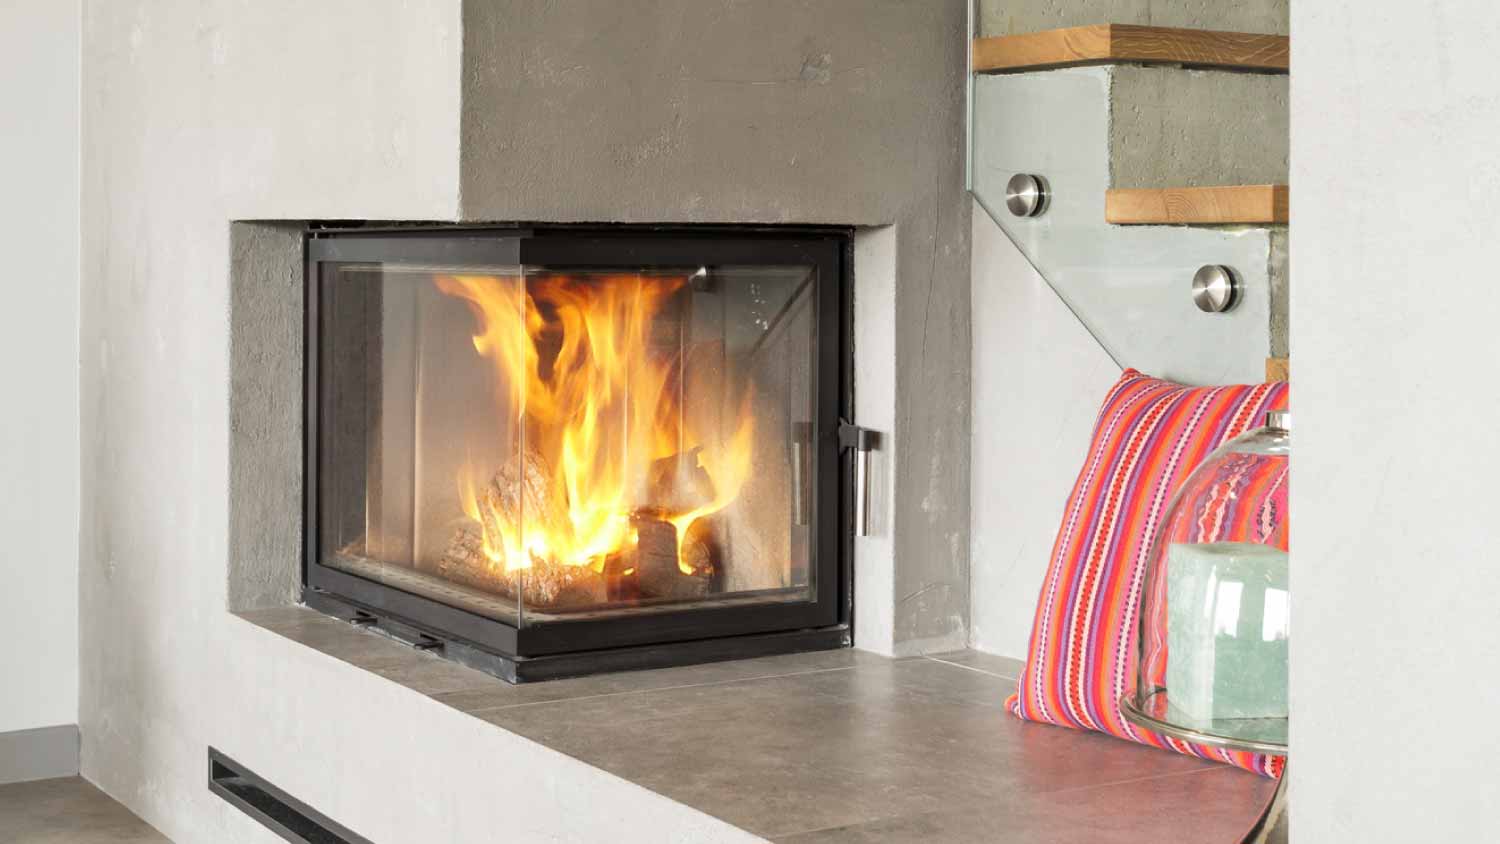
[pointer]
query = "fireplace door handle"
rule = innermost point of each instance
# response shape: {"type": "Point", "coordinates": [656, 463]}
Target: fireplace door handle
{"type": "Point", "coordinates": [863, 441]}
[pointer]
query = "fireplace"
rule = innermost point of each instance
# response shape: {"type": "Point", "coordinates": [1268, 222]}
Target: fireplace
{"type": "Point", "coordinates": [559, 450]}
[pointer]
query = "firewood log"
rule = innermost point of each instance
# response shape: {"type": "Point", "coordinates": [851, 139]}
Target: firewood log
{"type": "Point", "coordinates": [545, 585]}
{"type": "Point", "coordinates": [679, 483]}
{"type": "Point", "coordinates": [656, 561]}
{"type": "Point", "coordinates": [676, 484]}
{"type": "Point", "coordinates": [522, 490]}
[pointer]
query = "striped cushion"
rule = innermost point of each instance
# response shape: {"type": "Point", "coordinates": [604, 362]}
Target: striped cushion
{"type": "Point", "coordinates": [1149, 435]}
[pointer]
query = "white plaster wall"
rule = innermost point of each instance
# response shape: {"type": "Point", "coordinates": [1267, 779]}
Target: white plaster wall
{"type": "Point", "coordinates": [875, 408]}
{"type": "Point", "coordinates": [39, 363]}
{"type": "Point", "coordinates": [1393, 677]}
{"type": "Point", "coordinates": [195, 114]}
{"type": "Point", "coordinates": [1039, 377]}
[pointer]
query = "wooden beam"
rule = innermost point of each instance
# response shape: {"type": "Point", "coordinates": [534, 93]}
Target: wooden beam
{"type": "Point", "coordinates": [1223, 205]}
{"type": "Point", "coordinates": [1117, 42]}
{"type": "Point", "coordinates": [1278, 369]}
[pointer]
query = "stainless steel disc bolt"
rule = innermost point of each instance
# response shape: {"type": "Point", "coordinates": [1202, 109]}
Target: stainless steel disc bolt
{"type": "Point", "coordinates": [1215, 289]}
{"type": "Point", "coordinates": [1026, 195]}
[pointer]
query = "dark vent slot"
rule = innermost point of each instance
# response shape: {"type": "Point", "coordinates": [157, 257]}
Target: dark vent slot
{"type": "Point", "coordinates": [278, 811]}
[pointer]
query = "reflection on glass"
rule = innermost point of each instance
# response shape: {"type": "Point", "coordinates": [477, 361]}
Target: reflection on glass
{"type": "Point", "coordinates": [531, 443]}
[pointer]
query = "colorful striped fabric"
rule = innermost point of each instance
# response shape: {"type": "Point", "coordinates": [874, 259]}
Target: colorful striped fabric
{"type": "Point", "coordinates": [1149, 436]}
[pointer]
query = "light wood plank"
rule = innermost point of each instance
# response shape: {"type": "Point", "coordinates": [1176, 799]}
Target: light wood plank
{"type": "Point", "coordinates": [1115, 42]}
{"type": "Point", "coordinates": [1278, 369]}
{"type": "Point", "coordinates": [1221, 205]}
{"type": "Point", "coordinates": [1038, 50]}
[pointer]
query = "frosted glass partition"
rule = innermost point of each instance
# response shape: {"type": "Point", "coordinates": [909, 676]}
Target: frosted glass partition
{"type": "Point", "coordinates": [1129, 285]}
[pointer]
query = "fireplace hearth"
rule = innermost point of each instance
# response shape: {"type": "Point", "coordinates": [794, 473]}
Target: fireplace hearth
{"type": "Point", "coordinates": [558, 450]}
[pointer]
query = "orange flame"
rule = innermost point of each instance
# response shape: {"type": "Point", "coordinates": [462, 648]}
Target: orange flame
{"type": "Point", "coordinates": [593, 402]}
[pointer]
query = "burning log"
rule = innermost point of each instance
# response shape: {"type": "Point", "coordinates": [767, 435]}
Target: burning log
{"type": "Point", "coordinates": [524, 490]}
{"type": "Point", "coordinates": [544, 585]}
{"type": "Point", "coordinates": [679, 484]}
{"type": "Point", "coordinates": [520, 490]}
{"type": "Point", "coordinates": [657, 565]}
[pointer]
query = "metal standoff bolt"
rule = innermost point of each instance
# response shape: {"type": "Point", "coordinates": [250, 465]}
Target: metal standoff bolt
{"type": "Point", "coordinates": [1215, 289]}
{"type": "Point", "coordinates": [1026, 195]}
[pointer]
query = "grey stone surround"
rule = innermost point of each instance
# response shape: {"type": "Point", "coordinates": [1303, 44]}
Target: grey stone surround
{"type": "Point", "coordinates": [265, 422]}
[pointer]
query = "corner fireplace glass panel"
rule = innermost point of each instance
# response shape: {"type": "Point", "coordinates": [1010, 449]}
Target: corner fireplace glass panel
{"type": "Point", "coordinates": [541, 444]}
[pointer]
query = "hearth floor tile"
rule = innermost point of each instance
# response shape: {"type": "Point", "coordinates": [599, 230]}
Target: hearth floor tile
{"type": "Point", "coordinates": [1000, 666]}
{"type": "Point", "coordinates": [342, 640]}
{"type": "Point", "coordinates": [904, 739]}
{"type": "Point", "coordinates": [1210, 806]}
{"type": "Point", "coordinates": [836, 745]}
{"type": "Point", "coordinates": [68, 810]}
{"type": "Point", "coordinates": [499, 695]}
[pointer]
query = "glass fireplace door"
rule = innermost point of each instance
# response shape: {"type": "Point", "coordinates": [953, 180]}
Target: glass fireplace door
{"type": "Point", "coordinates": [554, 443]}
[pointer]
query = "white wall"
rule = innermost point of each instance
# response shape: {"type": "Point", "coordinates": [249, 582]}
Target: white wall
{"type": "Point", "coordinates": [38, 363]}
{"type": "Point", "coordinates": [1396, 207]}
{"type": "Point", "coordinates": [1038, 380]}
{"type": "Point", "coordinates": [875, 408]}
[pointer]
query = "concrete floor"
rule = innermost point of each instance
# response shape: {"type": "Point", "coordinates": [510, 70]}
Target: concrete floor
{"type": "Point", "coordinates": [836, 746]}
{"type": "Point", "coordinates": [68, 811]}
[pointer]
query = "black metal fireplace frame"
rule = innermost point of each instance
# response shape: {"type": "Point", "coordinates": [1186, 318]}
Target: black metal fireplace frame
{"type": "Point", "coordinates": [542, 650]}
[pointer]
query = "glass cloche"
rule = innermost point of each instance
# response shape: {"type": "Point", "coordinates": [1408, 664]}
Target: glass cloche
{"type": "Point", "coordinates": [1212, 652]}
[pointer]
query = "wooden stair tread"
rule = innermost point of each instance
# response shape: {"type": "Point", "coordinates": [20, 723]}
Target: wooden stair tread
{"type": "Point", "coordinates": [1118, 42]}
{"type": "Point", "coordinates": [1221, 205]}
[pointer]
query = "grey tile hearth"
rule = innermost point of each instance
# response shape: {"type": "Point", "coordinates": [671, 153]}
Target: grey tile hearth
{"type": "Point", "coordinates": [835, 746]}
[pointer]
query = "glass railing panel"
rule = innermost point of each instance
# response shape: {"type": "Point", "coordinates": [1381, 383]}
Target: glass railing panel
{"type": "Point", "coordinates": [1129, 285]}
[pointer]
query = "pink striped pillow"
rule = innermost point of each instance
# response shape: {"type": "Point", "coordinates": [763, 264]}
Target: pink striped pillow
{"type": "Point", "coordinates": [1149, 435]}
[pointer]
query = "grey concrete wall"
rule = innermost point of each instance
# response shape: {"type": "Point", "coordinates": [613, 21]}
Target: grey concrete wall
{"type": "Point", "coordinates": [1006, 17]}
{"type": "Point", "coordinates": [1395, 449]}
{"type": "Point", "coordinates": [265, 414]}
{"type": "Point", "coordinates": [834, 111]}
{"type": "Point", "coordinates": [1170, 127]}
{"type": "Point", "coordinates": [1279, 272]}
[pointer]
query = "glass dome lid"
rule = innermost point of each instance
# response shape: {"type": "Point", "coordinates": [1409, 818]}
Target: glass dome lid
{"type": "Point", "coordinates": [1211, 658]}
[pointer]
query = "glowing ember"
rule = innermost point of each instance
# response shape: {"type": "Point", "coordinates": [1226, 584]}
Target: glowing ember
{"type": "Point", "coordinates": [596, 405]}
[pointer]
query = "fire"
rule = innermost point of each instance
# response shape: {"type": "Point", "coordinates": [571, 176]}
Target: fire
{"type": "Point", "coordinates": [594, 403]}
